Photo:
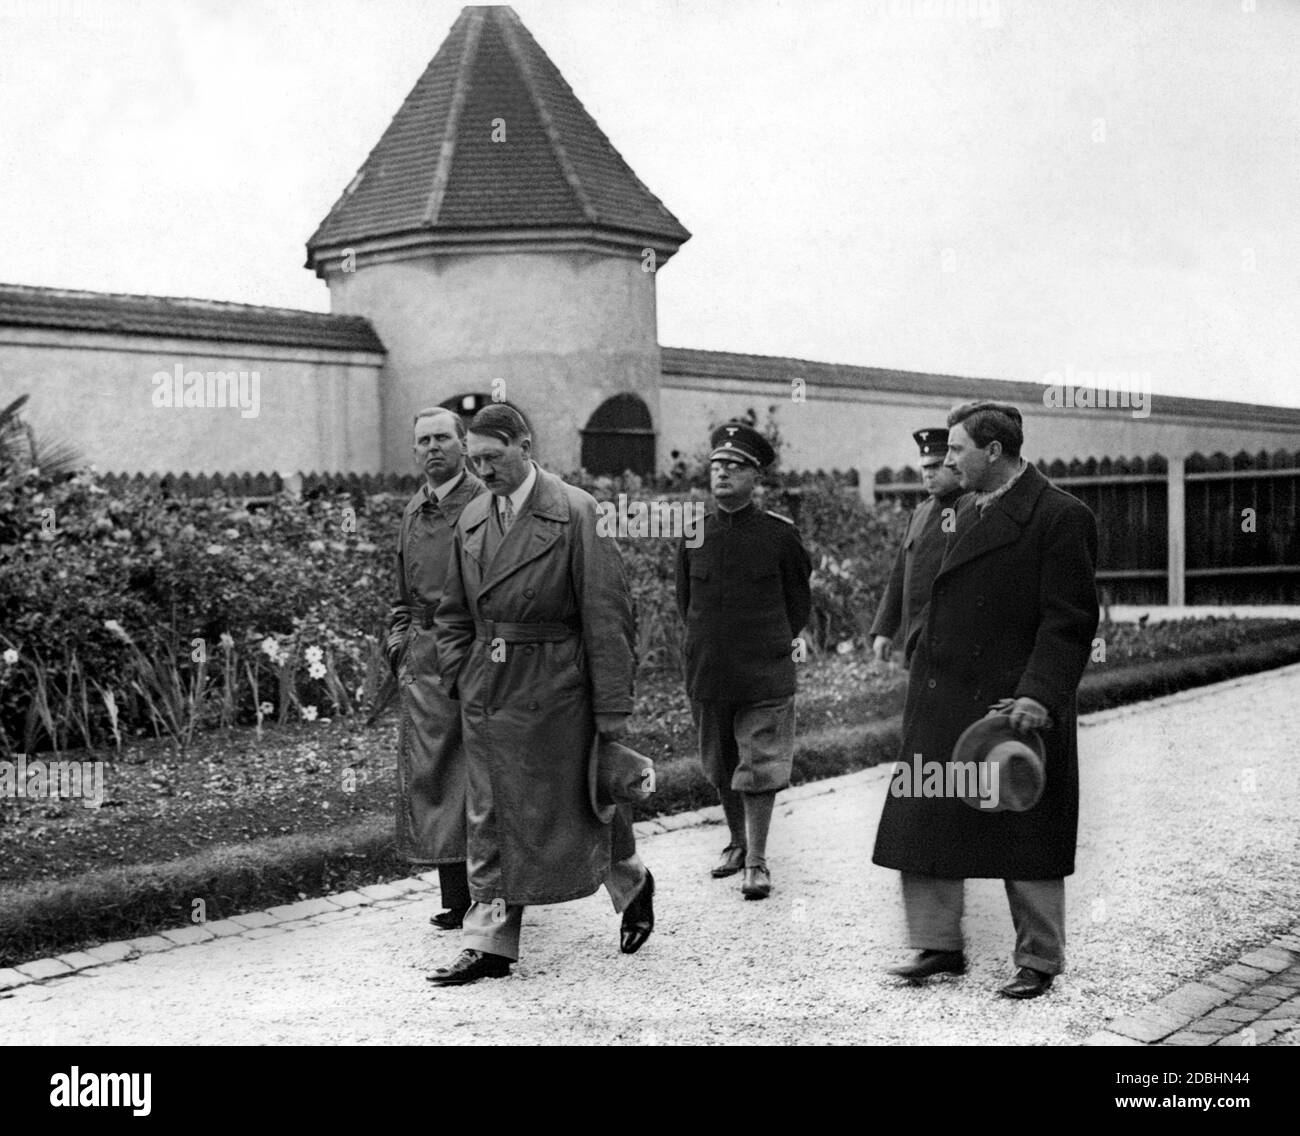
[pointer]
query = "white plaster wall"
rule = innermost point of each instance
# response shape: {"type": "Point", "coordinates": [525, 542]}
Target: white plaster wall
{"type": "Point", "coordinates": [843, 429]}
{"type": "Point", "coordinates": [564, 330]}
{"type": "Point", "coordinates": [317, 410]}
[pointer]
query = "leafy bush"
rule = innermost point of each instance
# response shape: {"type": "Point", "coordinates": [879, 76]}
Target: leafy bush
{"type": "Point", "coordinates": [124, 600]}
{"type": "Point", "coordinates": [135, 611]}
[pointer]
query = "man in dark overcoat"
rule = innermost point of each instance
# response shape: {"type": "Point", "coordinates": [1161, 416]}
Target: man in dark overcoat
{"type": "Point", "coordinates": [535, 636]}
{"type": "Point", "coordinates": [430, 759]}
{"type": "Point", "coordinates": [898, 620]}
{"type": "Point", "coordinates": [744, 595]}
{"type": "Point", "coordinates": [1012, 615]}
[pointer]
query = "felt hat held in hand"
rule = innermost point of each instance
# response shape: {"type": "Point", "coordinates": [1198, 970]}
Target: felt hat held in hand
{"type": "Point", "coordinates": [1011, 768]}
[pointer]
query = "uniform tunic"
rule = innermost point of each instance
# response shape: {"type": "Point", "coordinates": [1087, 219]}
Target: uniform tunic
{"type": "Point", "coordinates": [908, 592]}
{"type": "Point", "coordinates": [744, 595]}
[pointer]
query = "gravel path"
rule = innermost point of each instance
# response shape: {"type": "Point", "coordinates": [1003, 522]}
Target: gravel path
{"type": "Point", "coordinates": [1188, 851]}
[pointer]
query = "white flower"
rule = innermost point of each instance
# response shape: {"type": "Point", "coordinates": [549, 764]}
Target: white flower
{"type": "Point", "coordinates": [271, 649]}
{"type": "Point", "coordinates": [314, 654]}
{"type": "Point", "coordinates": [226, 641]}
{"type": "Point", "coordinates": [11, 657]}
{"type": "Point", "coordinates": [316, 670]}
{"type": "Point", "coordinates": [117, 629]}
{"type": "Point", "coordinates": [316, 546]}
{"type": "Point", "coordinates": [309, 713]}
{"type": "Point", "coordinates": [265, 708]}
{"type": "Point", "coordinates": [215, 549]}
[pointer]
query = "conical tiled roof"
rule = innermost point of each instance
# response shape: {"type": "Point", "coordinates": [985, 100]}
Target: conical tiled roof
{"type": "Point", "coordinates": [437, 172]}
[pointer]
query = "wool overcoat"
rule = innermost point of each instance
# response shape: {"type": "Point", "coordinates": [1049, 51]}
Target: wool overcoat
{"type": "Point", "coordinates": [430, 758]}
{"type": "Point", "coordinates": [535, 640]}
{"type": "Point", "coordinates": [902, 607]}
{"type": "Point", "coordinates": [1012, 613]}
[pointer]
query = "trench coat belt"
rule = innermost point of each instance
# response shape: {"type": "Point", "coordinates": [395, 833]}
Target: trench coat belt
{"type": "Point", "coordinates": [486, 631]}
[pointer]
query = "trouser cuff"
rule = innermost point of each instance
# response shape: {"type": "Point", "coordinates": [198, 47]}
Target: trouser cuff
{"type": "Point", "coordinates": [625, 880]}
{"type": "Point", "coordinates": [1037, 962]}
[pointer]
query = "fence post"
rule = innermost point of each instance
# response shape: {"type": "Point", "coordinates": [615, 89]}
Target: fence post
{"type": "Point", "coordinates": [867, 486]}
{"type": "Point", "coordinates": [1177, 553]}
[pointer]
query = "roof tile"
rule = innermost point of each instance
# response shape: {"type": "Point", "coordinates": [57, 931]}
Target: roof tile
{"type": "Point", "coordinates": [24, 306]}
{"type": "Point", "coordinates": [438, 168]}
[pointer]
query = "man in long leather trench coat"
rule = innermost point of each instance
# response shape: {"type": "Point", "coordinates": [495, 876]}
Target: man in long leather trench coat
{"type": "Point", "coordinates": [430, 758]}
{"type": "Point", "coordinates": [534, 636]}
{"type": "Point", "coordinates": [1012, 614]}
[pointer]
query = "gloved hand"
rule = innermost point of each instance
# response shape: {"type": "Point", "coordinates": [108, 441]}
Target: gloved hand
{"type": "Point", "coordinates": [393, 648]}
{"type": "Point", "coordinates": [1028, 714]}
{"type": "Point", "coordinates": [882, 647]}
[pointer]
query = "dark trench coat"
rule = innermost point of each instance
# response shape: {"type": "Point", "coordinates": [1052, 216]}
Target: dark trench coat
{"type": "Point", "coordinates": [430, 757]}
{"type": "Point", "coordinates": [916, 564]}
{"type": "Point", "coordinates": [1012, 613]}
{"type": "Point", "coordinates": [529, 707]}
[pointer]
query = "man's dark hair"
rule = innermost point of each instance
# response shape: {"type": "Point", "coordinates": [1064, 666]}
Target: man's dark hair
{"type": "Point", "coordinates": [430, 411]}
{"type": "Point", "coordinates": [500, 421]}
{"type": "Point", "coordinates": [988, 421]}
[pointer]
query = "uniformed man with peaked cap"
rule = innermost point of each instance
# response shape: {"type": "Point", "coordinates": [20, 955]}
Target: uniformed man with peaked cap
{"type": "Point", "coordinates": [898, 620]}
{"type": "Point", "coordinates": [744, 596]}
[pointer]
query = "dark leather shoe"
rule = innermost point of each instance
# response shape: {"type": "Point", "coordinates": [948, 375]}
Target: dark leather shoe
{"type": "Point", "coordinates": [450, 920]}
{"type": "Point", "coordinates": [470, 967]}
{"type": "Point", "coordinates": [1028, 983]}
{"type": "Point", "coordinates": [758, 883]}
{"type": "Point", "coordinates": [733, 860]}
{"type": "Point", "coordinates": [929, 963]}
{"type": "Point", "coordinates": [638, 918]}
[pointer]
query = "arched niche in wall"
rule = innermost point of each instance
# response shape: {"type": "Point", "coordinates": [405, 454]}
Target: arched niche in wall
{"type": "Point", "coordinates": [619, 436]}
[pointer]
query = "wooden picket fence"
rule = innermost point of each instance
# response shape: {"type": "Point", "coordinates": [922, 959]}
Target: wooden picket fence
{"type": "Point", "coordinates": [1195, 530]}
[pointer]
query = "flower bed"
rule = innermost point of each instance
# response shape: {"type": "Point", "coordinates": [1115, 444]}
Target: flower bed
{"type": "Point", "coordinates": [131, 613]}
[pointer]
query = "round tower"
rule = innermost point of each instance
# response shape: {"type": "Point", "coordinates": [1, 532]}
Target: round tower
{"type": "Point", "coordinates": [501, 247]}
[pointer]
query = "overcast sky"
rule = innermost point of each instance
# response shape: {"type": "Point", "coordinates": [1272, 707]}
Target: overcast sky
{"type": "Point", "coordinates": [976, 187]}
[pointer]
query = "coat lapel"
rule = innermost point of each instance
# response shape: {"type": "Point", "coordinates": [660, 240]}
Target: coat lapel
{"type": "Point", "coordinates": [1000, 525]}
{"type": "Point", "coordinates": [474, 522]}
{"type": "Point", "coordinates": [451, 505]}
{"type": "Point", "coordinates": [454, 503]}
{"type": "Point", "coordinates": [538, 526]}
{"type": "Point", "coordinates": [418, 498]}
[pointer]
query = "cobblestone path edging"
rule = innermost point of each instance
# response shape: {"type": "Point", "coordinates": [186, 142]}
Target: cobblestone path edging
{"type": "Point", "coordinates": [1254, 1001]}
